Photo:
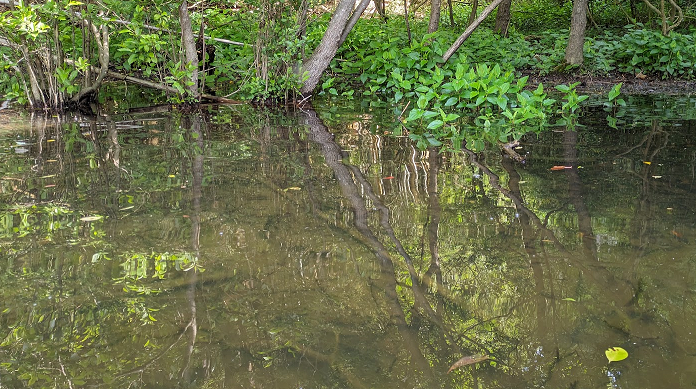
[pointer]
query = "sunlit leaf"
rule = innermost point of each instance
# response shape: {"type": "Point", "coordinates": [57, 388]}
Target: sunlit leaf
{"type": "Point", "coordinates": [615, 354]}
{"type": "Point", "coordinates": [569, 299]}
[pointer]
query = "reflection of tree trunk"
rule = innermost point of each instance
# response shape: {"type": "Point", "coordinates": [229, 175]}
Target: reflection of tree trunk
{"type": "Point", "coordinates": [642, 222]}
{"type": "Point", "coordinates": [434, 211]}
{"type": "Point", "coordinates": [529, 237]}
{"type": "Point", "coordinates": [334, 159]}
{"type": "Point", "coordinates": [197, 189]}
{"type": "Point", "coordinates": [589, 243]}
{"type": "Point", "coordinates": [622, 291]}
{"type": "Point", "coordinates": [494, 181]}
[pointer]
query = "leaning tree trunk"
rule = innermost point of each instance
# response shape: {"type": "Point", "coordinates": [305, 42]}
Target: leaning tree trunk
{"type": "Point", "coordinates": [434, 16]}
{"type": "Point", "coordinates": [315, 65]}
{"type": "Point", "coordinates": [353, 20]}
{"type": "Point", "coordinates": [189, 44]}
{"type": "Point", "coordinates": [576, 40]}
{"type": "Point", "coordinates": [502, 18]}
{"type": "Point", "coordinates": [469, 30]}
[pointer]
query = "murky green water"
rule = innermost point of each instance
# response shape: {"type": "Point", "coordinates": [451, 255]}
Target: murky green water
{"type": "Point", "coordinates": [246, 249]}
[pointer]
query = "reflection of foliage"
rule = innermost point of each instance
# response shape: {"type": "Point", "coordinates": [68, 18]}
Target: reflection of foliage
{"type": "Point", "coordinates": [293, 292]}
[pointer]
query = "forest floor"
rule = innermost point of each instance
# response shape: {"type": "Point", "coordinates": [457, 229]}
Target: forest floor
{"type": "Point", "coordinates": [642, 85]}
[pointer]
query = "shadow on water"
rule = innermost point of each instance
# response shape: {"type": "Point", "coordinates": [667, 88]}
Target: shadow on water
{"type": "Point", "coordinates": [246, 249]}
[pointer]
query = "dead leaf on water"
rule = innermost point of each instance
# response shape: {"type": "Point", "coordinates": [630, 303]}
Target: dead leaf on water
{"type": "Point", "coordinates": [91, 218]}
{"type": "Point", "coordinates": [468, 360]}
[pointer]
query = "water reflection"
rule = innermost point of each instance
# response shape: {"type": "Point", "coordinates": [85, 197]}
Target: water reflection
{"type": "Point", "coordinates": [237, 249]}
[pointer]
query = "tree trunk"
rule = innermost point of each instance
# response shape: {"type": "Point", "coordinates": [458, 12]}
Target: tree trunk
{"type": "Point", "coordinates": [189, 45]}
{"type": "Point", "coordinates": [354, 19]}
{"type": "Point", "coordinates": [434, 16]}
{"type": "Point", "coordinates": [101, 37]}
{"type": "Point", "coordinates": [324, 53]}
{"type": "Point", "coordinates": [474, 9]}
{"type": "Point", "coordinates": [502, 18]}
{"type": "Point", "coordinates": [469, 30]}
{"type": "Point", "coordinates": [576, 40]}
{"type": "Point", "coordinates": [408, 26]}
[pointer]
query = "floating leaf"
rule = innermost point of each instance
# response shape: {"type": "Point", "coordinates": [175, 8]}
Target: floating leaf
{"type": "Point", "coordinates": [468, 360]}
{"type": "Point", "coordinates": [91, 218]}
{"type": "Point", "coordinates": [615, 354]}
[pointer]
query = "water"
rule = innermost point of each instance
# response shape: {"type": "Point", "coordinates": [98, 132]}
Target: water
{"type": "Point", "coordinates": [247, 249]}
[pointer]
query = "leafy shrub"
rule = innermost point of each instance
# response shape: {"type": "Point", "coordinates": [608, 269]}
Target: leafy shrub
{"type": "Point", "coordinates": [651, 52]}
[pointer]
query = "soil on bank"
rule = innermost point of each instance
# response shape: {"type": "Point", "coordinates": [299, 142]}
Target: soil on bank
{"type": "Point", "coordinates": [639, 85]}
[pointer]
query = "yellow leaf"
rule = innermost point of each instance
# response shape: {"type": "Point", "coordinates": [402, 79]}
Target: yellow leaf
{"type": "Point", "coordinates": [615, 354]}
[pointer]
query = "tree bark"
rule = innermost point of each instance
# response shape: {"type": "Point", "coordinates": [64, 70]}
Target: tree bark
{"type": "Point", "coordinates": [324, 53]}
{"type": "Point", "coordinates": [102, 41]}
{"type": "Point", "coordinates": [434, 16]}
{"type": "Point", "coordinates": [189, 45]}
{"type": "Point", "coordinates": [576, 40]}
{"type": "Point", "coordinates": [474, 9]}
{"type": "Point", "coordinates": [469, 30]}
{"type": "Point", "coordinates": [502, 18]}
{"type": "Point", "coordinates": [354, 19]}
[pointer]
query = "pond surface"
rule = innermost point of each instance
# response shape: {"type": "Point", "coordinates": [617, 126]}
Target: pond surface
{"type": "Point", "coordinates": [255, 249]}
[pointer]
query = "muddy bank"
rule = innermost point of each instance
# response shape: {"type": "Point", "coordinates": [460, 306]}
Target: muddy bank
{"type": "Point", "coordinates": [642, 85]}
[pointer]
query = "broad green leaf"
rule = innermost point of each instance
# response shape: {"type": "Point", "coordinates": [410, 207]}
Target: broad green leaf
{"type": "Point", "coordinates": [451, 101]}
{"type": "Point", "coordinates": [435, 124]}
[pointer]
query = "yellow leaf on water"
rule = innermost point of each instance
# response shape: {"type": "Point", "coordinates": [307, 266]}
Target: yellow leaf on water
{"type": "Point", "coordinates": [615, 354]}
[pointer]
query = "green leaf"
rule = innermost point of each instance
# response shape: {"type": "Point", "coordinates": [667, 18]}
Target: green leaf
{"type": "Point", "coordinates": [429, 114]}
{"type": "Point", "coordinates": [435, 124]}
{"type": "Point", "coordinates": [451, 101]}
{"type": "Point", "coordinates": [615, 354]}
{"type": "Point", "coordinates": [398, 95]}
{"type": "Point", "coordinates": [415, 114]}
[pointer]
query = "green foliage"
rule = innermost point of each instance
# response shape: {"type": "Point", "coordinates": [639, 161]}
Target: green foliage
{"type": "Point", "coordinates": [571, 100]}
{"type": "Point", "coordinates": [648, 51]}
{"type": "Point", "coordinates": [463, 99]}
{"type": "Point", "coordinates": [533, 15]}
